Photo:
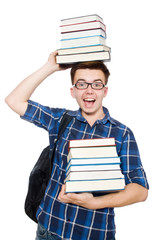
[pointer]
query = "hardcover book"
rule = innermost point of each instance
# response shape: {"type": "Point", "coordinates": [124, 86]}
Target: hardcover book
{"type": "Point", "coordinates": [92, 142]}
{"type": "Point", "coordinates": [82, 26]}
{"type": "Point", "coordinates": [82, 41]}
{"type": "Point", "coordinates": [91, 175]}
{"type": "Point", "coordinates": [86, 161]}
{"type": "Point", "coordinates": [92, 167]}
{"type": "Point", "coordinates": [90, 49]}
{"type": "Point", "coordinates": [85, 33]}
{"type": "Point", "coordinates": [80, 19]}
{"type": "Point", "coordinates": [83, 57]}
{"type": "Point", "coordinates": [95, 185]}
{"type": "Point", "coordinates": [92, 152]}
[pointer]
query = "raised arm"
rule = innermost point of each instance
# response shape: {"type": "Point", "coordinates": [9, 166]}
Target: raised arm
{"type": "Point", "coordinates": [17, 100]}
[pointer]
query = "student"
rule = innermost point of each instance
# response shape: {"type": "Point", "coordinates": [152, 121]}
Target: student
{"type": "Point", "coordinates": [80, 216]}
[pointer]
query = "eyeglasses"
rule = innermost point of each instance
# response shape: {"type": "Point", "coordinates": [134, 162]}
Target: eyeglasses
{"type": "Point", "coordinates": [94, 85]}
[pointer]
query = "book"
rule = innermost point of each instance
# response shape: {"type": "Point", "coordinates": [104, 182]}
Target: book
{"type": "Point", "coordinates": [73, 58]}
{"type": "Point", "coordinates": [90, 175]}
{"type": "Point", "coordinates": [84, 33]}
{"type": "Point", "coordinates": [91, 142]}
{"type": "Point", "coordinates": [89, 49]}
{"type": "Point", "coordinates": [80, 19]}
{"type": "Point", "coordinates": [82, 41]}
{"type": "Point", "coordinates": [93, 167]}
{"type": "Point", "coordinates": [82, 26]}
{"type": "Point", "coordinates": [92, 152]}
{"type": "Point", "coordinates": [95, 185]}
{"type": "Point", "coordinates": [88, 161]}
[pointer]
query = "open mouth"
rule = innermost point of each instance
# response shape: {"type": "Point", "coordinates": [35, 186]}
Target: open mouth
{"type": "Point", "coordinates": [89, 102]}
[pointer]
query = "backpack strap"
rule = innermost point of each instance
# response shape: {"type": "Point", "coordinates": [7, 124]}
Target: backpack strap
{"type": "Point", "coordinates": [66, 118]}
{"type": "Point", "coordinates": [63, 124]}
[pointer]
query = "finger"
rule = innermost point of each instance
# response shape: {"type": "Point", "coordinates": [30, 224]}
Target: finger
{"type": "Point", "coordinates": [73, 196]}
{"type": "Point", "coordinates": [63, 188]}
{"type": "Point", "coordinates": [61, 193]}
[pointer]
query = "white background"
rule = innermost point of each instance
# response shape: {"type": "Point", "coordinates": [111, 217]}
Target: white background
{"type": "Point", "coordinates": [29, 32]}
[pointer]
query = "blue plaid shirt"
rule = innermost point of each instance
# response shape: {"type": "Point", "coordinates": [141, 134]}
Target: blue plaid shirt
{"type": "Point", "coordinates": [69, 221]}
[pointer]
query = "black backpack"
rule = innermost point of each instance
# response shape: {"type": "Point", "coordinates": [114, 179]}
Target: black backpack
{"type": "Point", "coordinates": [41, 173]}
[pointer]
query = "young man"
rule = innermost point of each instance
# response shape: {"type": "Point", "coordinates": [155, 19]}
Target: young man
{"type": "Point", "coordinates": [80, 216]}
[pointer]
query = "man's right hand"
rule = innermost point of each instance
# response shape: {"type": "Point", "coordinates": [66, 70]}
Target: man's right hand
{"type": "Point", "coordinates": [54, 65]}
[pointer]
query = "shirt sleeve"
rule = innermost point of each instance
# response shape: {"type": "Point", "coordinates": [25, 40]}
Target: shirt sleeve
{"type": "Point", "coordinates": [42, 116]}
{"type": "Point", "coordinates": [131, 164]}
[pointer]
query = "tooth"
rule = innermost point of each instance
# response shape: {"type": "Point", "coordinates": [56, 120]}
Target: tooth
{"type": "Point", "coordinates": [89, 99]}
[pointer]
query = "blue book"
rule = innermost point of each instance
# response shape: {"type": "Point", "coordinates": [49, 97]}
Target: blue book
{"type": "Point", "coordinates": [93, 167]}
{"type": "Point", "coordinates": [87, 161]}
{"type": "Point", "coordinates": [83, 41]}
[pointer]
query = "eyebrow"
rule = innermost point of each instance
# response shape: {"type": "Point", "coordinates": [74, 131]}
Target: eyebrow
{"type": "Point", "coordinates": [83, 80]}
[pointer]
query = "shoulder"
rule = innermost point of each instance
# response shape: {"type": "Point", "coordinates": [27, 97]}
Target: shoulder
{"type": "Point", "coordinates": [120, 125]}
{"type": "Point", "coordinates": [115, 124]}
{"type": "Point", "coordinates": [37, 108]}
{"type": "Point", "coordinates": [121, 130]}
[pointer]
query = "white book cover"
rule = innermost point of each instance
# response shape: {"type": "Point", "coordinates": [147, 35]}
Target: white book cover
{"type": "Point", "coordinates": [79, 50]}
{"type": "Point", "coordinates": [91, 142]}
{"type": "Point", "coordinates": [95, 185]}
{"type": "Point", "coordinates": [86, 33]}
{"type": "Point", "coordinates": [92, 175]}
{"type": "Point", "coordinates": [80, 19]}
{"type": "Point", "coordinates": [82, 26]}
{"type": "Point", "coordinates": [69, 59]}
{"type": "Point", "coordinates": [92, 152]}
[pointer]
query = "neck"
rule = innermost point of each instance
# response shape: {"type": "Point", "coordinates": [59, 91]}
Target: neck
{"type": "Point", "coordinates": [93, 117]}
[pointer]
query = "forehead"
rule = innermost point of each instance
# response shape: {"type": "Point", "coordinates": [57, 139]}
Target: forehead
{"type": "Point", "coordinates": [89, 75]}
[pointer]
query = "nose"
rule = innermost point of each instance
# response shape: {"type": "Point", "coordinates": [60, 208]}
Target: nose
{"type": "Point", "coordinates": [89, 89]}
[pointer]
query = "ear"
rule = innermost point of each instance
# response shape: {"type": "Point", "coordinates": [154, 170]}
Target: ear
{"type": "Point", "coordinates": [72, 92]}
{"type": "Point", "coordinates": [105, 91]}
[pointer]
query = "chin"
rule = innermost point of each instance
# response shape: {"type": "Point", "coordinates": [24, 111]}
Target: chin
{"type": "Point", "coordinates": [88, 111]}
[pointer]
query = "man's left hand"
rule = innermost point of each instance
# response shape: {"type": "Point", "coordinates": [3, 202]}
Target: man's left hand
{"type": "Point", "coordinates": [81, 199]}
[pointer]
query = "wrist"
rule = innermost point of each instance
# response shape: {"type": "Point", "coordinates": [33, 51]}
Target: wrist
{"type": "Point", "coordinates": [50, 68]}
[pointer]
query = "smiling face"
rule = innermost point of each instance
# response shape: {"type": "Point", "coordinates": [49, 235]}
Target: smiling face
{"type": "Point", "coordinates": [90, 100]}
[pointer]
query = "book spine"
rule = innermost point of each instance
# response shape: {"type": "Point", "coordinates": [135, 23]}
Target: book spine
{"type": "Point", "coordinates": [83, 23]}
{"type": "Point", "coordinates": [82, 46]}
{"type": "Point", "coordinates": [93, 180]}
{"type": "Point", "coordinates": [77, 38]}
{"type": "Point", "coordinates": [91, 164]}
{"type": "Point", "coordinates": [83, 30]}
{"type": "Point", "coordinates": [78, 19]}
{"type": "Point", "coordinates": [95, 146]}
{"type": "Point", "coordinates": [90, 140]}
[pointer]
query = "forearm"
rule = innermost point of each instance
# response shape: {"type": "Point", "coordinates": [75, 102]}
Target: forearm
{"type": "Point", "coordinates": [17, 99]}
{"type": "Point", "coordinates": [133, 193]}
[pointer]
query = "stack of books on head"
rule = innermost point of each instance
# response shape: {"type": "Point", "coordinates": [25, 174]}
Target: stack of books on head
{"type": "Point", "coordinates": [83, 39]}
{"type": "Point", "coordinates": [93, 166]}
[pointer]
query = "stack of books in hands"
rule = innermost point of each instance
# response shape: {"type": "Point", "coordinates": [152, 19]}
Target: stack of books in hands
{"type": "Point", "coordinates": [93, 166]}
{"type": "Point", "coordinates": [83, 39]}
